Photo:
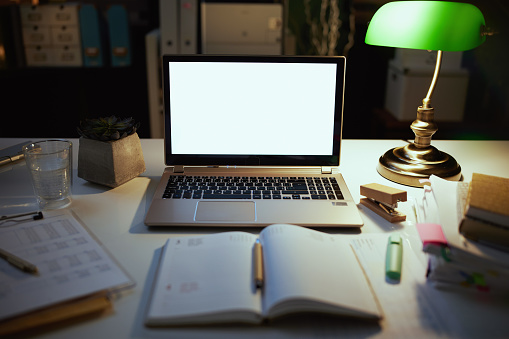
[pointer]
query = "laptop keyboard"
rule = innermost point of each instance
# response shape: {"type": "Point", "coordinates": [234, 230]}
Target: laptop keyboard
{"type": "Point", "coordinates": [224, 187]}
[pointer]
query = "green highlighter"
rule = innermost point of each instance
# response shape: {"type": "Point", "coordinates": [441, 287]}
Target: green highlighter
{"type": "Point", "coordinates": [394, 257]}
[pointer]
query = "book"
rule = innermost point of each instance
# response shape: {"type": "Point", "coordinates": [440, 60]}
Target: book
{"type": "Point", "coordinates": [211, 278]}
{"type": "Point", "coordinates": [443, 203]}
{"type": "Point", "coordinates": [456, 262]}
{"type": "Point", "coordinates": [485, 232]}
{"type": "Point", "coordinates": [486, 215]}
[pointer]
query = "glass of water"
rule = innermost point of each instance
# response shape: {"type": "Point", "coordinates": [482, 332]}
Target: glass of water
{"type": "Point", "coordinates": [50, 166]}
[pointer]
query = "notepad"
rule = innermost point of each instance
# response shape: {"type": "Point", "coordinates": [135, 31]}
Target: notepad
{"type": "Point", "coordinates": [210, 278]}
{"type": "Point", "coordinates": [71, 265]}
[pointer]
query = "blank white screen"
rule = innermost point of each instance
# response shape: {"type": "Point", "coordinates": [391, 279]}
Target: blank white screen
{"type": "Point", "coordinates": [252, 108]}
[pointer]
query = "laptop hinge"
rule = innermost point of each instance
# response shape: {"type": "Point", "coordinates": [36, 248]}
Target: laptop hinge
{"type": "Point", "coordinates": [178, 169]}
{"type": "Point", "coordinates": [326, 170]}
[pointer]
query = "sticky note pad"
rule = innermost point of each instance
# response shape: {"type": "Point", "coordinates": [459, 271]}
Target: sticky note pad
{"type": "Point", "coordinates": [431, 234]}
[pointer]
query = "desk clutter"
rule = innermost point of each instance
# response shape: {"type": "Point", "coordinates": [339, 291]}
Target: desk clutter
{"type": "Point", "coordinates": [224, 286]}
{"type": "Point", "coordinates": [471, 259]}
{"type": "Point", "coordinates": [73, 277]}
{"type": "Point", "coordinates": [323, 278]}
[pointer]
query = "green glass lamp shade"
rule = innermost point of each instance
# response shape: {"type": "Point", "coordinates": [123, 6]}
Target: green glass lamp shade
{"type": "Point", "coordinates": [428, 25]}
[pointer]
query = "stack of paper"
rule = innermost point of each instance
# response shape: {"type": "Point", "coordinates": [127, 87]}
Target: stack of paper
{"type": "Point", "coordinates": [455, 261]}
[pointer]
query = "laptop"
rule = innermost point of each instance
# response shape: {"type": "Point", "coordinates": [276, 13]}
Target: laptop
{"type": "Point", "coordinates": [252, 141]}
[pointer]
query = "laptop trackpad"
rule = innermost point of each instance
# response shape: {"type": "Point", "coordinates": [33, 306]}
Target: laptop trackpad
{"type": "Point", "coordinates": [225, 211]}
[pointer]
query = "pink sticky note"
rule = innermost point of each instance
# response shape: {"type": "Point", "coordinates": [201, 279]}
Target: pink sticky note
{"type": "Point", "coordinates": [431, 234]}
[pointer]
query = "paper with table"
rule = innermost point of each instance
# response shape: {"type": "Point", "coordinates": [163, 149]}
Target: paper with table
{"type": "Point", "coordinates": [71, 264]}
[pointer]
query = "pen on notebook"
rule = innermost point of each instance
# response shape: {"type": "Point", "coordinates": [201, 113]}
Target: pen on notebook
{"type": "Point", "coordinates": [394, 257]}
{"type": "Point", "coordinates": [14, 260]}
{"type": "Point", "coordinates": [258, 264]}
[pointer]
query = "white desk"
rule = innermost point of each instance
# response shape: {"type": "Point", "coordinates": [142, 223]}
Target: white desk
{"type": "Point", "coordinates": [115, 217]}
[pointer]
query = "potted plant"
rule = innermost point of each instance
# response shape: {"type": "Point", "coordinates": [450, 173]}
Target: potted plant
{"type": "Point", "coordinates": [110, 151]}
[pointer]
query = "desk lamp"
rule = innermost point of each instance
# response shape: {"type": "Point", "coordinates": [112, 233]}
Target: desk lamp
{"type": "Point", "coordinates": [428, 25]}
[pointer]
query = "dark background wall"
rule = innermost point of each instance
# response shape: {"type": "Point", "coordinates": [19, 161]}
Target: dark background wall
{"type": "Point", "coordinates": [50, 102]}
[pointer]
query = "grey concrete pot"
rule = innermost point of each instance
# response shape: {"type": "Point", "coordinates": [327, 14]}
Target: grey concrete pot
{"type": "Point", "coordinates": [110, 163]}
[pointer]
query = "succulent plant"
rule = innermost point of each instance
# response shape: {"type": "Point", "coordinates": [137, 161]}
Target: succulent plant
{"type": "Point", "coordinates": [108, 128]}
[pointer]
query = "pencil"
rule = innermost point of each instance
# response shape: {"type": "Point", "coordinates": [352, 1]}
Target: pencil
{"type": "Point", "coordinates": [258, 261]}
{"type": "Point", "coordinates": [20, 263]}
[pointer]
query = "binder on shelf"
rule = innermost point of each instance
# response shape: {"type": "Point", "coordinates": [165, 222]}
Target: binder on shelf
{"type": "Point", "coordinates": [155, 100]}
{"type": "Point", "coordinates": [120, 46]}
{"type": "Point", "coordinates": [188, 26]}
{"type": "Point", "coordinates": [168, 23]}
{"type": "Point", "coordinates": [92, 44]}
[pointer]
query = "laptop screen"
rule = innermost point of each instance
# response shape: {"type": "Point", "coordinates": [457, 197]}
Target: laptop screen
{"type": "Point", "coordinates": [258, 110]}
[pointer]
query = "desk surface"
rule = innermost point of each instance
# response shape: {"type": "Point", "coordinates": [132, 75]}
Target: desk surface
{"type": "Point", "coordinates": [115, 217]}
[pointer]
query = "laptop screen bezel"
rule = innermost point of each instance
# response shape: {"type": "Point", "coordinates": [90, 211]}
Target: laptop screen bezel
{"type": "Point", "coordinates": [250, 159]}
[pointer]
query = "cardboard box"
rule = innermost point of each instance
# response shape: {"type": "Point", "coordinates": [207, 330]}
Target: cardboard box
{"type": "Point", "coordinates": [406, 87]}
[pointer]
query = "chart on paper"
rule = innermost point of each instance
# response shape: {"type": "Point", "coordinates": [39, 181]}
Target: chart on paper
{"type": "Point", "coordinates": [69, 260]}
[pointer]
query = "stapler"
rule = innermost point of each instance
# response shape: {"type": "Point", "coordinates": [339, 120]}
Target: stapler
{"type": "Point", "coordinates": [383, 200]}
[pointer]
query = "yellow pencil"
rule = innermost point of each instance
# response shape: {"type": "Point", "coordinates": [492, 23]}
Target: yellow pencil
{"type": "Point", "coordinates": [258, 261]}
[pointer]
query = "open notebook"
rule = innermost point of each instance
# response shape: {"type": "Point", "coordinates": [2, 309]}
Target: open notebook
{"type": "Point", "coordinates": [253, 141]}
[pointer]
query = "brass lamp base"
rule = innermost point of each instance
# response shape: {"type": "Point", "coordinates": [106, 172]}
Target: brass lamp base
{"type": "Point", "coordinates": [408, 164]}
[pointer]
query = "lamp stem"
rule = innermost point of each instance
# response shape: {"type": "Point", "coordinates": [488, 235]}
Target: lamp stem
{"type": "Point", "coordinates": [426, 100]}
{"type": "Point", "coordinates": [418, 160]}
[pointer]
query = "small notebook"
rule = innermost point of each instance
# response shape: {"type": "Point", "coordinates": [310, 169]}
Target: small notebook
{"type": "Point", "coordinates": [254, 140]}
{"type": "Point", "coordinates": [303, 271]}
